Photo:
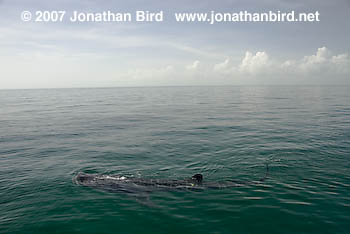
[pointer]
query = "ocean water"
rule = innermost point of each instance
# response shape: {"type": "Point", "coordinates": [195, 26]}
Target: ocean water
{"type": "Point", "coordinates": [303, 133]}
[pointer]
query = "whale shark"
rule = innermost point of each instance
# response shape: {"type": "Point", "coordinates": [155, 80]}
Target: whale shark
{"type": "Point", "coordinates": [128, 184]}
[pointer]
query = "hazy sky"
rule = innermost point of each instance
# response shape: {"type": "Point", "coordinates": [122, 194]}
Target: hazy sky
{"type": "Point", "coordinates": [96, 54]}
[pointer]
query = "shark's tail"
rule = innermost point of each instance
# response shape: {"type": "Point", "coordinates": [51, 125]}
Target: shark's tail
{"type": "Point", "coordinates": [253, 182]}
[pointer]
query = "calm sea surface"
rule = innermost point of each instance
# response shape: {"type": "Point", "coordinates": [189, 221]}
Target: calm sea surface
{"type": "Point", "coordinates": [303, 133]}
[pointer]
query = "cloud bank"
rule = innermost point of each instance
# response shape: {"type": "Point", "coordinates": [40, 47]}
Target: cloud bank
{"type": "Point", "coordinates": [259, 63]}
{"type": "Point", "coordinates": [321, 66]}
{"type": "Point", "coordinates": [252, 68]}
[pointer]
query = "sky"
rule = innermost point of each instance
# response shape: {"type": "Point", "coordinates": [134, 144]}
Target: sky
{"type": "Point", "coordinates": [169, 53]}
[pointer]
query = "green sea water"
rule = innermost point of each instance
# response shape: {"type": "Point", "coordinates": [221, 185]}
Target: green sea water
{"type": "Point", "coordinates": [303, 133]}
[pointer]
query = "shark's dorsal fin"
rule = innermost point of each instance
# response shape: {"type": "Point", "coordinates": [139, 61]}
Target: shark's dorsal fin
{"type": "Point", "coordinates": [198, 177]}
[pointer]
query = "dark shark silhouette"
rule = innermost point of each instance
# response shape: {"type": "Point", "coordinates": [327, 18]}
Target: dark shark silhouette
{"type": "Point", "coordinates": [117, 183]}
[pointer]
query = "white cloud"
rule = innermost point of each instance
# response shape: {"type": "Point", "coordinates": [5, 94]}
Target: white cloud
{"type": "Point", "coordinates": [194, 66]}
{"type": "Point", "coordinates": [166, 69]}
{"type": "Point", "coordinates": [224, 67]}
{"type": "Point", "coordinates": [323, 62]}
{"type": "Point", "coordinates": [341, 63]}
{"type": "Point", "coordinates": [314, 62]}
{"type": "Point", "coordinates": [253, 64]}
